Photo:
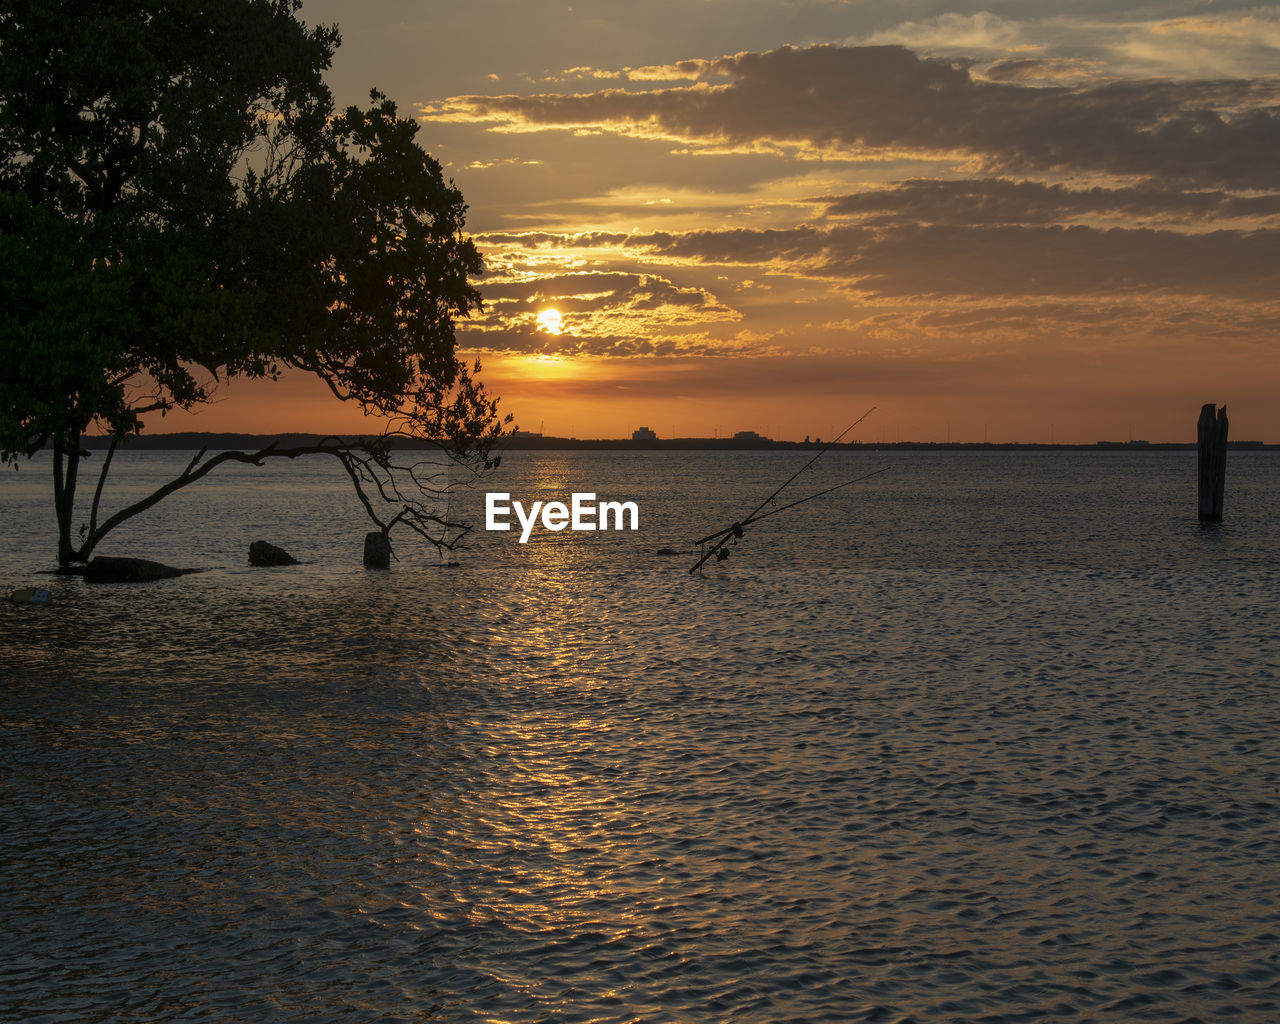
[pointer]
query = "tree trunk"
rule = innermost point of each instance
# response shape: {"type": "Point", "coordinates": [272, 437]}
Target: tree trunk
{"type": "Point", "coordinates": [66, 468]}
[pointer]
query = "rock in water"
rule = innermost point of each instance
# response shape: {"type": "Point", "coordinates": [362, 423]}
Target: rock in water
{"type": "Point", "coordinates": [105, 569]}
{"type": "Point", "coordinates": [262, 553]}
{"type": "Point", "coordinates": [377, 550]}
{"type": "Point", "coordinates": [31, 595]}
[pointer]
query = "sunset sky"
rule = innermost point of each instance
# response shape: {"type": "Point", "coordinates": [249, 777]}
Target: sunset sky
{"type": "Point", "coordinates": [1020, 221]}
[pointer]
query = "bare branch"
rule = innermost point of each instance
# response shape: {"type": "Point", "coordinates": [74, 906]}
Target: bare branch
{"type": "Point", "coordinates": [409, 491]}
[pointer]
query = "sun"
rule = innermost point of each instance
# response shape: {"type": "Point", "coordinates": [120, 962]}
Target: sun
{"type": "Point", "coordinates": [551, 321]}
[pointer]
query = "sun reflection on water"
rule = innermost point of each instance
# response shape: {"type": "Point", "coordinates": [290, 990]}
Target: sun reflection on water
{"type": "Point", "coordinates": [555, 785]}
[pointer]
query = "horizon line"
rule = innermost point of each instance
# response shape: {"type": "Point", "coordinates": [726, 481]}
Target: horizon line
{"type": "Point", "coordinates": [532, 441]}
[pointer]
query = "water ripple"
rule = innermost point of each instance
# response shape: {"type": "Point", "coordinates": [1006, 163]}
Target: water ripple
{"type": "Point", "coordinates": [618, 793]}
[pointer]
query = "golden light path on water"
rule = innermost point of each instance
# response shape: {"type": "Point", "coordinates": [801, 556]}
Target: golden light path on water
{"type": "Point", "coordinates": [960, 745]}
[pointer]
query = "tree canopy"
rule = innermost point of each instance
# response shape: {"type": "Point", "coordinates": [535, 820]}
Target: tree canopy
{"type": "Point", "coordinates": [181, 204]}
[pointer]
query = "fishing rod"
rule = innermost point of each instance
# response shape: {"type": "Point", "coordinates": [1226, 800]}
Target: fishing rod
{"type": "Point", "coordinates": [735, 530]}
{"type": "Point", "coordinates": [799, 501]}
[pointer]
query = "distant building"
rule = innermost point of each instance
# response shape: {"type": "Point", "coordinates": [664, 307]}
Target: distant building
{"type": "Point", "coordinates": [643, 434]}
{"type": "Point", "coordinates": [527, 433]}
{"type": "Point", "coordinates": [747, 435]}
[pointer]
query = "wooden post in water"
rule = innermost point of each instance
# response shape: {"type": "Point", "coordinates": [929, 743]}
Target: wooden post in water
{"type": "Point", "coordinates": [1212, 443]}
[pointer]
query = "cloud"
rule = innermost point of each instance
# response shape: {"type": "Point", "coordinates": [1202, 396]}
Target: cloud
{"type": "Point", "coordinates": [1001, 201]}
{"type": "Point", "coordinates": [914, 259]}
{"type": "Point", "coordinates": [1243, 45]}
{"type": "Point", "coordinates": [970, 217]}
{"type": "Point", "coordinates": [684, 69]}
{"type": "Point", "coordinates": [485, 165]}
{"type": "Point", "coordinates": [1043, 71]}
{"type": "Point", "coordinates": [525, 339]}
{"type": "Point", "coordinates": [602, 313]}
{"type": "Point", "coordinates": [1173, 321]}
{"type": "Point", "coordinates": [615, 292]}
{"type": "Point", "coordinates": [952, 33]}
{"type": "Point", "coordinates": [856, 101]}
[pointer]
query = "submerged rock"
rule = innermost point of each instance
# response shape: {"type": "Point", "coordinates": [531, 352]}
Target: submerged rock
{"type": "Point", "coordinates": [107, 569]}
{"type": "Point", "coordinates": [31, 595]}
{"type": "Point", "coordinates": [377, 550]}
{"type": "Point", "coordinates": [262, 553]}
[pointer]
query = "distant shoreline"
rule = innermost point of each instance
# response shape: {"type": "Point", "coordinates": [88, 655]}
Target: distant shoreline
{"type": "Point", "coordinates": [193, 441]}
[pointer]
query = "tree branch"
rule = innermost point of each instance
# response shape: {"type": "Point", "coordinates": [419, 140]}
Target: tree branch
{"type": "Point", "coordinates": [102, 480]}
{"type": "Point", "coordinates": [369, 464]}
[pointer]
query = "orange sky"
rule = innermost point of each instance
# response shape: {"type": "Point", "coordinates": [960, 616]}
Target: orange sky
{"type": "Point", "coordinates": [1019, 225]}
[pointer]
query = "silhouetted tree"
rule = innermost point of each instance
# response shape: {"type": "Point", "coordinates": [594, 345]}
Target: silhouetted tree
{"type": "Point", "coordinates": [181, 204]}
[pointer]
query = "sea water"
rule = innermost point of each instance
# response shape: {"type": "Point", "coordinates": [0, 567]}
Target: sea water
{"type": "Point", "coordinates": [990, 736]}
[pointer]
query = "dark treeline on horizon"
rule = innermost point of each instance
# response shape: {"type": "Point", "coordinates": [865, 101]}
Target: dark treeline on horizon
{"type": "Point", "coordinates": [194, 441]}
